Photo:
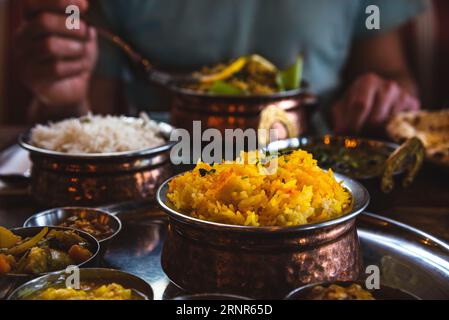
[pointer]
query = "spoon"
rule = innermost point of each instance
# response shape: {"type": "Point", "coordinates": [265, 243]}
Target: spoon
{"type": "Point", "coordinates": [152, 74]}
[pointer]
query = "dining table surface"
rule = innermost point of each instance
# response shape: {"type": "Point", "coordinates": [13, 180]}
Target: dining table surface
{"type": "Point", "coordinates": [423, 205]}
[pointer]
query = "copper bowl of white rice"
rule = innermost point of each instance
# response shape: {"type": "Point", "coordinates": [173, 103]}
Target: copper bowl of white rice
{"type": "Point", "coordinates": [97, 160]}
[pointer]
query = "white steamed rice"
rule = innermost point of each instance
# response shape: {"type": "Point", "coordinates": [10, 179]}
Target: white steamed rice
{"type": "Point", "coordinates": [97, 134]}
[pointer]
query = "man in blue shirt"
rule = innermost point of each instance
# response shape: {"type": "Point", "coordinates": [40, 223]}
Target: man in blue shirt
{"type": "Point", "coordinates": [70, 73]}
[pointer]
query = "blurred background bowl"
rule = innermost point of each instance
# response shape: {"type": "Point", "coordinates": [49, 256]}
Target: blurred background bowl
{"type": "Point", "coordinates": [243, 111]}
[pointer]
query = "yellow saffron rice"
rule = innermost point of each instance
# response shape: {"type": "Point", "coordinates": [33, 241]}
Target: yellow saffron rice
{"type": "Point", "coordinates": [243, 193]}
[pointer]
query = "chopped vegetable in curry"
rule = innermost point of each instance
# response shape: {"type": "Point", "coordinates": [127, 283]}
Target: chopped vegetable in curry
{"type": "Point", "coordinates": [44, 252]}
{"type": "Point", "coordinates": [359, 162]}
{"type": "Point", "coordinates": [96, 226]}
{"type": "Point", "coordinates": [248, 75]}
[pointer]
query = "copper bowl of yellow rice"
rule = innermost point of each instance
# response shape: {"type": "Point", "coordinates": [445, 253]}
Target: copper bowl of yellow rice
{"type": "Point", "coordinates": [261, 226]}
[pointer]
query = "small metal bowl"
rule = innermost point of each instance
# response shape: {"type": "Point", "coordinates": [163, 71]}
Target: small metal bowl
{"type": "Point", "coordinates": [100, 275]}
{"type": "Point", "coordinates": [384, 293]}
{"type": "Point", "coordinates": [260, 262]}
{"type": "Point", "coordinates": [54, 217]}
{"type": "Point", "coordinates": [406, 158]}
{"type": "Point", "coordinates": [341, 142]}
{"type": "Point", "coordinates": [11, 280]}
{"type": "Point", "coordinates": [61, 179]}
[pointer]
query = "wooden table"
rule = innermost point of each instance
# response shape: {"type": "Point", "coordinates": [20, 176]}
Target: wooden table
{"type": "Point", "coordinates": [424, 205]}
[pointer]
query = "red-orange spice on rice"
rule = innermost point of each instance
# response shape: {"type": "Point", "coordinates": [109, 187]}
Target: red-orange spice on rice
{"type": "Point", "coordinates": [243, 192]}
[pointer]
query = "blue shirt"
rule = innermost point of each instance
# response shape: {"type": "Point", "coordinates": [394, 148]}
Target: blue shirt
{"type": "Point", "coordinates": [188, 34]}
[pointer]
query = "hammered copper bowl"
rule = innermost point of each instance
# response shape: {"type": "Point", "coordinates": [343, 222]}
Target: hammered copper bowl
{"type": "Point", "coordinates": [242, 111]}
{"type": "Point", "coordinates": [61, 179]}
{"type": "Point", "coordinates": [261, 262]}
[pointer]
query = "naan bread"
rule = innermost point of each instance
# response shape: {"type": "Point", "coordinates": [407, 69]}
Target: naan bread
{"type": "Point", "coordinates": [432, 127]}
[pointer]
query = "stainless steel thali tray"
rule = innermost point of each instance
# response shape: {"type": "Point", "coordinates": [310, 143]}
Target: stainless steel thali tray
{"type": "Point", "coordinates": [407, 258]}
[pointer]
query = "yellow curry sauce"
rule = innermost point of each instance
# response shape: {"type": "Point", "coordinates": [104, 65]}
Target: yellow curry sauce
{"type": "Point", "coordinates": [88, 291]}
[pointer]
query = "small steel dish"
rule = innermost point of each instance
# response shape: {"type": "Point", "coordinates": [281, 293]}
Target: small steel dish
{"type": "Point", "coordinates": [384, 293]}
{"type": "Point", "coordinates": [61, 179]}
{"type": "Point", "coordinates": [106, 214]}
{"type": "Point", "coordinates": [100, 275]}
{"type": "Point", "coordinates": [11, 280]}
{"type": "Point", "coordinates": [261, 262]}
{"type": "Point", "coordinates": [54, 217]}
{"type": "Point", "coordinates": [348, 143]}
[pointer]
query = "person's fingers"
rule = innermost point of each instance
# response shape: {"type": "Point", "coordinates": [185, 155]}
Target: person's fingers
{"type": "Point", "coordinates": [63, 69]}
{"type": "Point", "coordinates": [52, 24]}
{"type": "Point", "coordinates": [52, 71]}
{"type": "Point", "coordinates": [33, 7]}
{"type": "Point", "coordinates": [57, 63]}
{"type": "Point", "coordinates": [360, 100]}
{"type": "Point", "coordinates": [384, 102]}
{"type": "Point", "coordinates": [55, 47]}
{"type": "Point", "coordinates": [412, 104]}
{"type": "Point", "coordinates": [338, 117]}
{"type": "Point", "coordinates": [91, 47]}
{"type": "Point", "coordinates": [405, 102]}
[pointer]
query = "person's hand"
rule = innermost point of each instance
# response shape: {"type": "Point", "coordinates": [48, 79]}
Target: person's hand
{"type": "Point", "coordinates": [368, 103]}
{"type": "Point", "coordinates": [55, 62]}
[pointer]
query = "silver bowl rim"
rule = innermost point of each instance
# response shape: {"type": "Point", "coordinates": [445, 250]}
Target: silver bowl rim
{"type": "Point", "coordinates": [61, 272]}
{"type": "Point", "coordinates": [166, 129]}
{"type": "Point", "coordinates": [293, 293]}
{"type": "Point", "coordinates": [276, 95]}
{"type": "Point", "coordinates": [360, 206]}
{"type": "Point", "coordinates": [84, 234]}
{"type": "Point", "coordinates": [54, 210]}
{"type": "Point", "coordinates": [300, 141]}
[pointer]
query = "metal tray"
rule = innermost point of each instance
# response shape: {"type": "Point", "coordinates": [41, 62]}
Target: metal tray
{"type": "Point", "coordinates": [408, 259]}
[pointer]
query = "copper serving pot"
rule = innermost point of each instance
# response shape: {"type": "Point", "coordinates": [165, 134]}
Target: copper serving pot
{"type": "Point", "coordinates": [288, 108]}
{"type": "Point", "coordinates": [261, 262]}
{"type": "Point", "coordinates": [61, 179]}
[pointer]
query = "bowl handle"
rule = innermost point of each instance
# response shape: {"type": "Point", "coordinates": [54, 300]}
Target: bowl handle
{"type": "Point", "coordinates": [271, 115]}
{"type": "Point", "coordinates": [412, 148]}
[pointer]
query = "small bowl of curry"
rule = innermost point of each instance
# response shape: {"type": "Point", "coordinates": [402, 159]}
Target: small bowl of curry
{"type": "Point", "coordinates": [347, 290]}
{"type": "Point", "coordinates": [94, 284]}
{"type": "Point", "coordinates": [358, 158]}
{"type": "Point", "coordinates": [100, 224]}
